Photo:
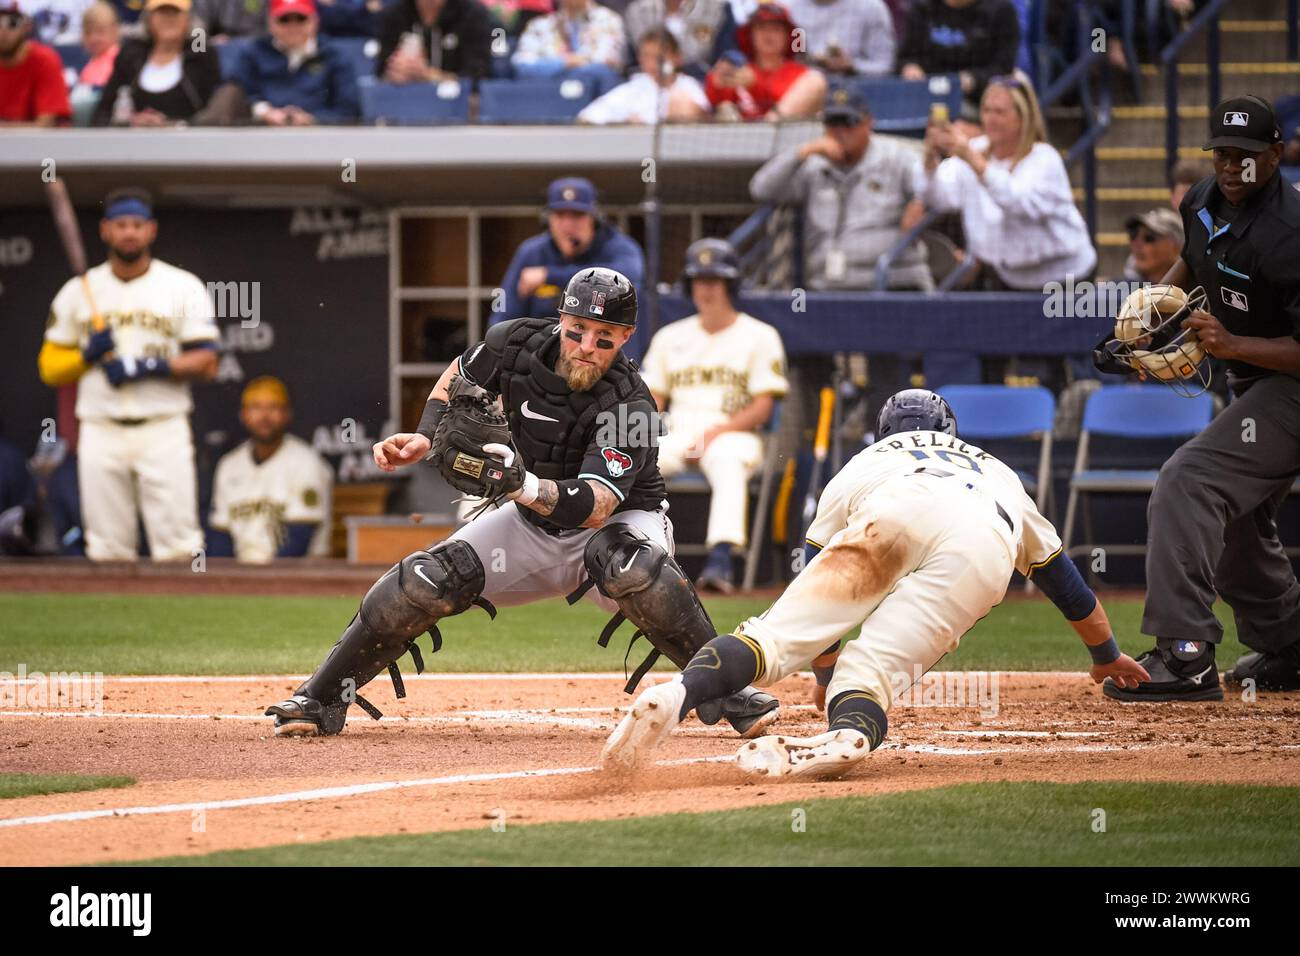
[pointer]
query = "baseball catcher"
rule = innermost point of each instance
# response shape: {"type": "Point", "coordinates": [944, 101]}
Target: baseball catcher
{"type": "Point", "coordinates": [570, 458]}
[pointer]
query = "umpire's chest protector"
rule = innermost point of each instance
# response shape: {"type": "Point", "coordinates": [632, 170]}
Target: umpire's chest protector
{"type": "Point", "coordinates": [551, 423]}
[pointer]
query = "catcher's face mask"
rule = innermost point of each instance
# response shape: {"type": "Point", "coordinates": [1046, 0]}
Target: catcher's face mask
{"type": "Point", "coordinates": [1149, 338]}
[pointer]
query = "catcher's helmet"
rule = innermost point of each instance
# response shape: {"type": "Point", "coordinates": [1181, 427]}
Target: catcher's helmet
{"type": "Point", "coordinates": [1149, 337]}
{"type": "Point", "coordinates": [915, 410]}
{"type": "Point", "coordinates": [601, 295]}
{"type": "Point", "coordinates": [712, 259]}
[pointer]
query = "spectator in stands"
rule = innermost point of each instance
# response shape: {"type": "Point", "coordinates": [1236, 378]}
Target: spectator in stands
{"type": "Point", "coordinates": [575, 238]}
{"type": "Point", "coordinates": [101, 38]}
{"type": "Point", "coordinates": [845, 37]}
{"type": "Point", "coordinates": [658, 92]}
{"type": "Point", "coordinates": [856, 188]}
{"type": "Point", "coordinates": [58, 22]}
{"type": "Point", "coordinates": [32, 90]}
{"type": "Point", "coordinates": [762, 80]}
{"type": "Point", "coordinates": [428, 41]}
{"type": "Point", "coordinates": [580, 39]}
{"type": "Point", "coordinates": [694, 23]}
{"type": "Point", "coordinates": [976, 39]}
{"type": "Point", "coordinates": [161, 79]}
{"type": "Point", "coordinates": [1012, 190]}
{"type": "Point", "coordinates": [1155, 241]}
{"type": "Point", "coordinates": [271, 495]}
{"type": "Point", "coordinates": [718, 374]}
{"type": "Point", "coordinates": [293, 77]}
{"type": "Point", "coordinates": [1185, 174]}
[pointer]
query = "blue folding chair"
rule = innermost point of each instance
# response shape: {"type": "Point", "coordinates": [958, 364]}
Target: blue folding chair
{"type": "Point", "coordinates": [1005, 411]}
{"type": "Point", "coordinates": [73, 55]}
{"type": "Point", "coordinates": [533, 101]}
{"type": "Point", "coordinates": [414, 104]}
{"type": "Point", "coordinates": [361, 52]}
{"type": "Point", "coordinates": [903, 106]}
{"type": "Point", "coordinates": [1139, 412]}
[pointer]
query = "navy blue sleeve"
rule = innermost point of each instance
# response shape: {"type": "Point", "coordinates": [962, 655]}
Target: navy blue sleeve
{"type": "Point", "coordinates": [1061, 581]}
{"type": "Point", "coordinates": [514, 305]}
{"type": "Point", "coordinates": [220, 544]}
{"type": "Point", "coordinates": [297, 539]}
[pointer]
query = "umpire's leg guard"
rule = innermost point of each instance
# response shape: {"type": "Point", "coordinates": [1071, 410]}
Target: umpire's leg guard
{"type": "Point", "coordinates": [411, 597]}
{"type": "Point", "coordinates": [651, 591]}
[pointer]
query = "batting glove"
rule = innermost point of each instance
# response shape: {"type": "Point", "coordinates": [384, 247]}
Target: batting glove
{"type": "Point", "coordinates": [121, 370]}
{"type": "Point", "coordinates": [99, 345]}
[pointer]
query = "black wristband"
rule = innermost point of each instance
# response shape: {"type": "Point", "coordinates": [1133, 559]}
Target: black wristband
{"type": "Point", "coordinates": [434, 409]}
{"type": "Point", "coordinates": [575, 503]}
{"type": "Point", "coordinates": [1104, 653]}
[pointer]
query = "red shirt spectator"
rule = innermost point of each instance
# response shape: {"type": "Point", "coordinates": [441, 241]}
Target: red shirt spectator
{"type": "Point", "coordinates": [762, 80]}
{"type": "Point", "coordinates": [31, 74]}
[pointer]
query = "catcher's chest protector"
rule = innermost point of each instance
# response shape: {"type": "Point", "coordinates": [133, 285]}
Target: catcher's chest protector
{"type": "Point", "coordinates": [550, 423]}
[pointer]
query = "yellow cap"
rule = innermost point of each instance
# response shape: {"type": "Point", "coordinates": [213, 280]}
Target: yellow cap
{"type": "Point", "coordinates": [265, 388]}
{"type": "Point", "coordinates": [178, 4]}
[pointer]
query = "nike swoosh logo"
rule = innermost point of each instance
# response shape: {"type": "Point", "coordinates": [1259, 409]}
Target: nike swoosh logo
{"type": "Point", "coordinates": [570, 491]}
{"type": "Point", "coordinates": [534, 415]}
{"type": "Point", "coordinates": [419, 570]}
{"type": "Point", "coordinates": [629, 563]}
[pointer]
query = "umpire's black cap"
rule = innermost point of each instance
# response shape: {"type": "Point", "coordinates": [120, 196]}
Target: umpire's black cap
{"type": "Point", "coordinates": [1244, 122]}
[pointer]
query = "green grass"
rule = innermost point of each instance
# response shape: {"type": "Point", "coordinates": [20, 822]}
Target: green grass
{"type": "Point", "coordinates": [989, 824]}
{"type": "Point", "coordinates": [270, 635]}
{"type": "Point", "coordinates": [35, 784]}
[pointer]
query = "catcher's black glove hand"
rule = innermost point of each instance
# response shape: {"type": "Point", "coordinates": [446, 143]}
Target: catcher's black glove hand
{"type": "Point", "coordinates": [470, 449]}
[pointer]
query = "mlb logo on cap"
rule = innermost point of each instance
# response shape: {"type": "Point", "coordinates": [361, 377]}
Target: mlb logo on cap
{"type": "Point", "coordinates": [1236, 119]}
{"type": "Point", "coordinates": [1243, 122]}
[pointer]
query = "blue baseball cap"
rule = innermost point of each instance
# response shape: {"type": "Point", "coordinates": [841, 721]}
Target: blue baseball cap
{"type": "Point", "coordinates": [846, 104]}
{"type": "Point", "coordinates": [572, 193]}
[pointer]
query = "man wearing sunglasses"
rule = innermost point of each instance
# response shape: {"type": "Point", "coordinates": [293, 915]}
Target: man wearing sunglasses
{"type": "Point", "coordinates": [1155, 241]}
{"type": "Point", "coordinates": [1213, 514]}
{"type": "Point", "coordinates": [582, 507]}
{"type": "Point", "coordinates": [856, 187]}
{"type": "Point", "coordinates": [32, 91]}
{"type": "Point", "coordinates": [293, 77]}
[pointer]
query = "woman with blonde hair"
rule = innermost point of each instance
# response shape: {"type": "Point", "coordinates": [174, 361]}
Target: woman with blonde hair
{"type": "Point", "coordinates": [1012, 191]}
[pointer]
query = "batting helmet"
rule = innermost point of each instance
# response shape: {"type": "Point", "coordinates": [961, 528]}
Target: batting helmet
{"type": "Point", "coordinates": [601, 295]}
{"type": "Point", "coordinates": [712, 259]}
{"type": "Point", "coordinates": [915, 410]}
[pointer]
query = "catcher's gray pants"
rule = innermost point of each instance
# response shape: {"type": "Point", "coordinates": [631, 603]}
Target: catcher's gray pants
{"type": "Point", "coordinates": [1212, 525]}
{"type": "Point", "coordinates": [522, 564]}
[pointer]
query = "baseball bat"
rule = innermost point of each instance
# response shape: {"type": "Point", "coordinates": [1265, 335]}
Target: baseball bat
{"type": "Point", "coordinates": [65, 223]}
{"type": "Point", "coordinates": [821, 445]}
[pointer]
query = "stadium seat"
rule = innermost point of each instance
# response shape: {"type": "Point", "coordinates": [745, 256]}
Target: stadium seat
{"type": "Point", "coordinates": [413, 103]}
{"type": "Point", "coordinates": [74, 57]}
{"type": "Point", "coordinates": [1138, 412]}
{"type": "Point", "coordinates": [693, 482]}
{"type": "Point", "coordinates": [532, 101]}
{"type": "Point", "coordinates": [903, 106]}
{"type": "Point", "coordinates": [502, 66]}
{"type": "Point", "coordinates": [1005, 411]}
{"type": "Point", "coordinates": [361, 53]}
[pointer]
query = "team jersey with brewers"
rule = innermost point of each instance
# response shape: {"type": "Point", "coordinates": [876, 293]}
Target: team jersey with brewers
{"type": "Point", "coordinates": [709, 376]}
{"type": "Point", "coordinates": [923, 455]}
{"type": "Point", "coordinates": [253, 501]}
{"type": "Point", "coordinates": [153, 316]}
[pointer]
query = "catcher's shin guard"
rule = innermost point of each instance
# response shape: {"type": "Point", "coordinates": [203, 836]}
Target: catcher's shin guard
{"type": "Point", "coordinates": [411, 597]}
{"type": "Point", "coordinates": [652, 592]}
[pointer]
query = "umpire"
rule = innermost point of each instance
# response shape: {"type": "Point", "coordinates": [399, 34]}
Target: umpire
{"type": "Point", "coordinates": [1212, 516]}
{"type": "Point", "coordinates": [586, 506]}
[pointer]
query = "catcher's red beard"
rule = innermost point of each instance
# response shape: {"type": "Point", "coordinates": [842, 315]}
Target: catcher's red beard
{"type": "Point", "coordinates": [578, 376]}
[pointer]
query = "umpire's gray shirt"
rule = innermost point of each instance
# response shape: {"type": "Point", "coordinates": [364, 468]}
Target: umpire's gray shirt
{"type": "Point", "coordinates": [854, 209]}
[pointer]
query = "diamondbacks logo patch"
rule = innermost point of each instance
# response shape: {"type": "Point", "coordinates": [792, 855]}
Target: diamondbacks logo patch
{"type": "Point", "coordinates": [616, 462]}
{"type": "Point", "coordinates": [1235, 299]}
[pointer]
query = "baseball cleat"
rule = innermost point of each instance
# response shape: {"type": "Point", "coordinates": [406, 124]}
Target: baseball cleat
{"type": "Point", "coordinates": [1172, 679]}
{"type": "Point", "coordinates": [826, 755]}
{"type": "Point", "coordinates": [652, 718]}
{"type": "Point", "coordinates": [302, 716]}
{"type": "Point", "coordinates": [749, 711]}
{"type": "Point", "coordinates": [1279, 670]}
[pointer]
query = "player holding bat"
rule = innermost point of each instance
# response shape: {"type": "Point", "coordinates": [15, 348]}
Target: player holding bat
{"type": "Point", "coordinates": [132, 332]}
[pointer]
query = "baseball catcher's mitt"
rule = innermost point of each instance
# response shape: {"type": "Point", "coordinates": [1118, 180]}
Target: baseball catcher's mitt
{"type": "Point", "coordinates": [471, 445]}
